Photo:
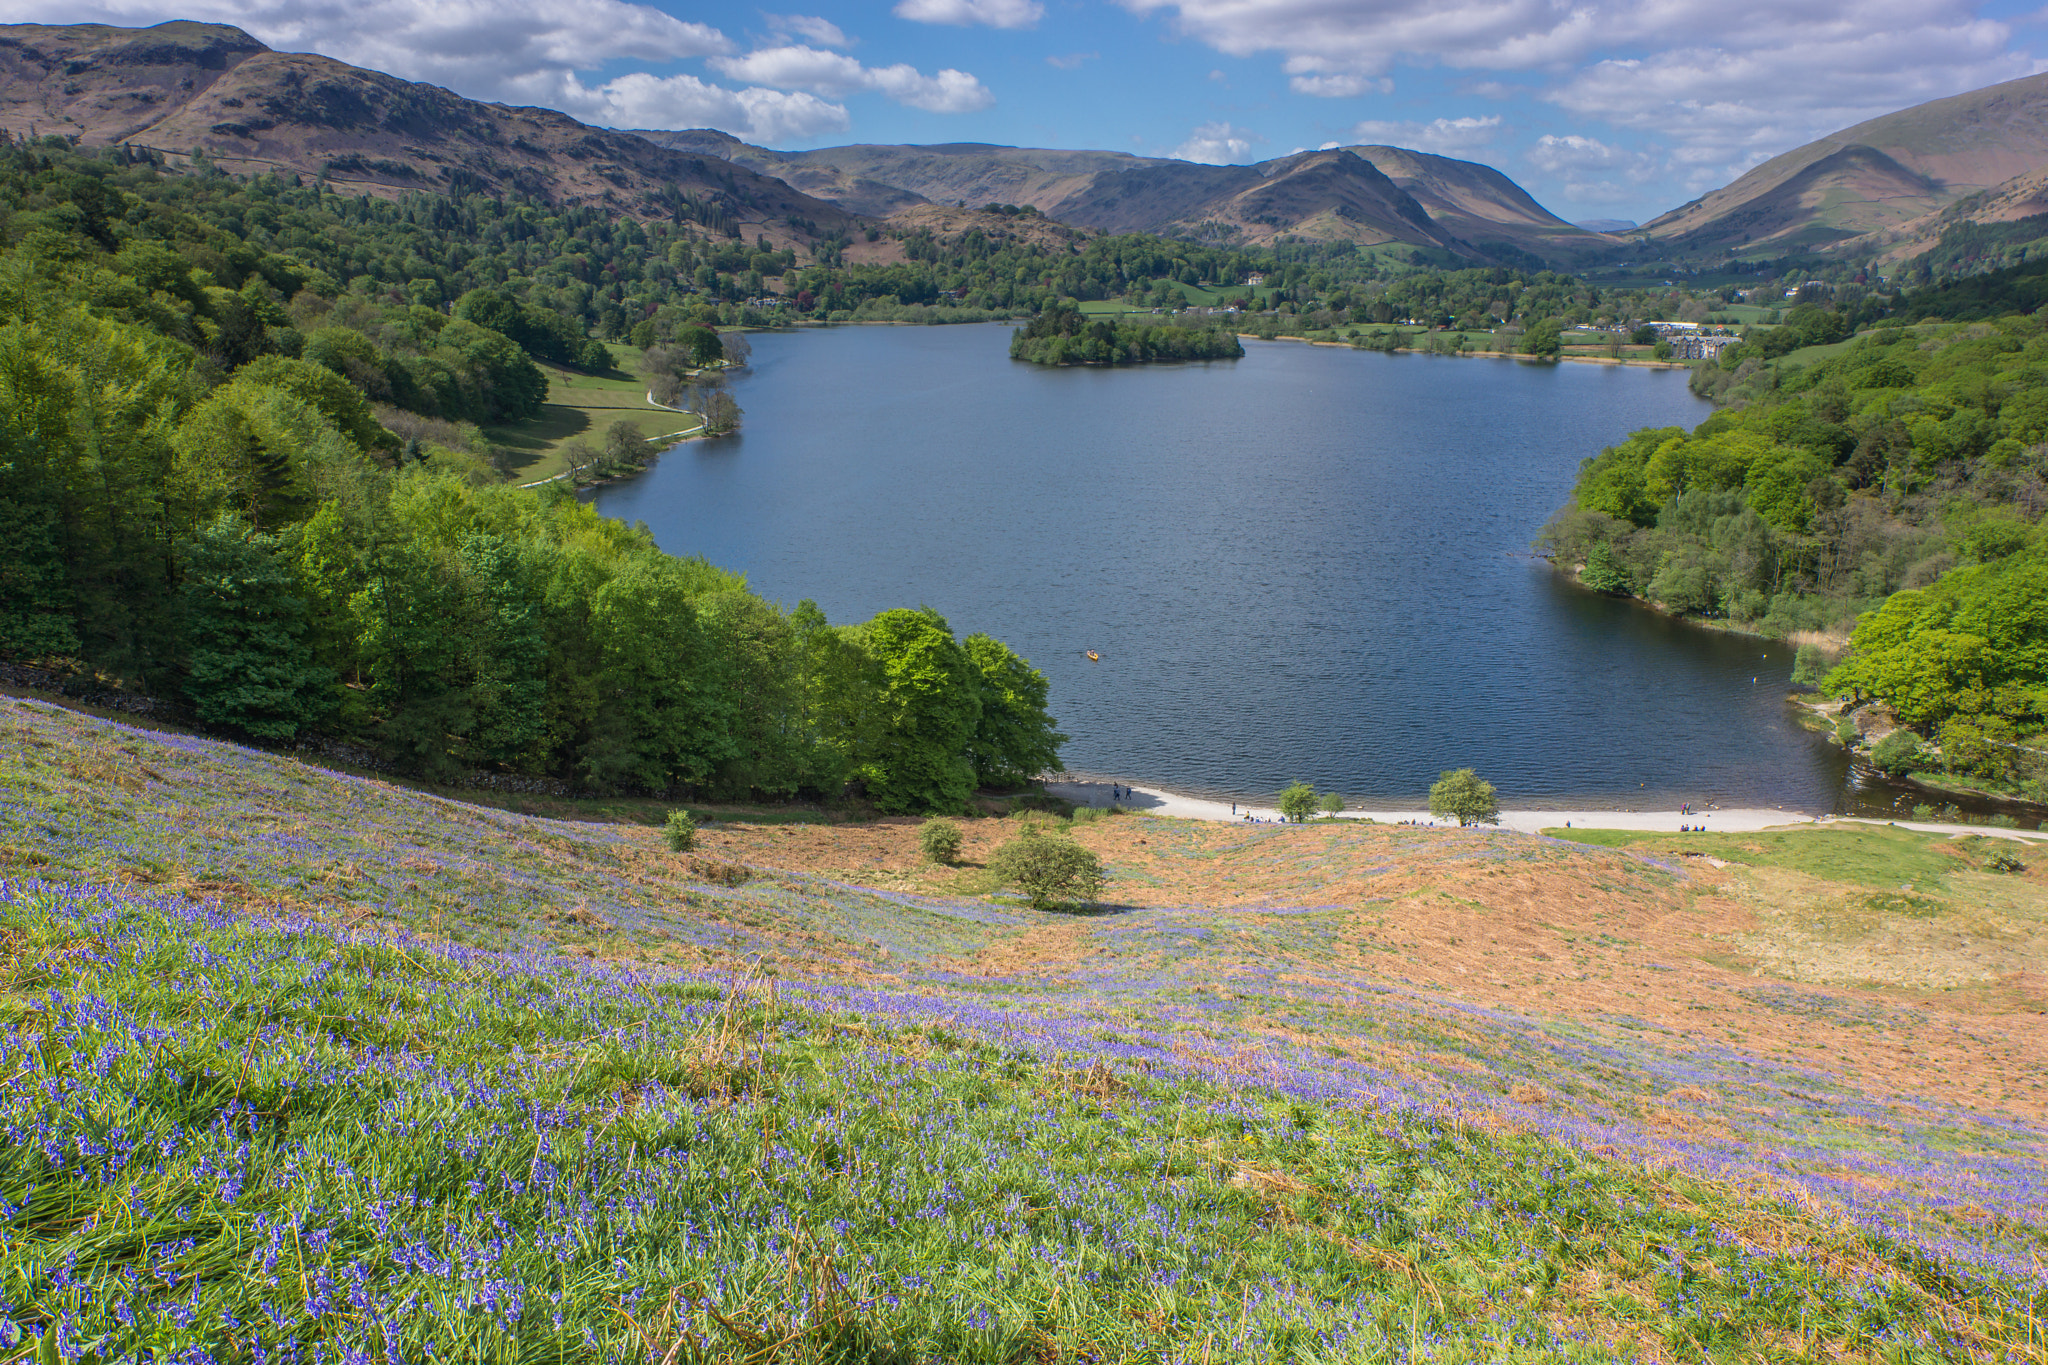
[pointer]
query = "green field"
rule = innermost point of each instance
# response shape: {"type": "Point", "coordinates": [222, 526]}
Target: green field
{"type": "Point", "coordinates": [1879, 856]}
{"type": "Point", "coordinates": [580, 407]}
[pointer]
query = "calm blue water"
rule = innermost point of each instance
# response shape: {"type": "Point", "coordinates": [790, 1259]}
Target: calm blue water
{"type": "Point", "coordinates": [1310, 563]}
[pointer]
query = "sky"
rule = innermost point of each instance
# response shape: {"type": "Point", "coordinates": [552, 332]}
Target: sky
{"type": "Point", "coordinates": [1603, 109]}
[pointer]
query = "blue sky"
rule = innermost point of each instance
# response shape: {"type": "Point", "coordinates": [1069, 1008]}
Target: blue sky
{"type": "Point", "coordinates": [1601, 108]}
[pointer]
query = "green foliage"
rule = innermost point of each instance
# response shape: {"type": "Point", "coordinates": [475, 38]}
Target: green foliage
{"type": "Point", "coordinates": [1604, 572]}
{"type": "Point", "coordinates": [1015, 739]}
{"type": "Point", "coordinates": [1544, 339]}
{"type": "Point", "coordinates": [200, 496]}
{"type": "Point", "coordinates": [1062, 336]}
{"type": "Point", "coordinates": [1332, 804]}
{"type": "Point", "coordinates": [1983, 746]}
{"type": "Point", "coordinates": [244, 629]}
{"type": "Point", "coordinates": [1809, 665]}
{"type": "Point", "coordinates": [939, 841]}
{"type": "Point", "coordinates": [1899, 753]}
{"type": "Point", "coordinates": [1298, 801]}
{"type": "Point", "coordinates": [1463, 794]}
{"type": "Point", "coordinates": [679, 831]}
{"type": "Point", "coordinates": [1050, 869]}
{"type": "Point", "coordinates": [701, 345]}
{"type": "Point", "coordinates": [1974, 645]}
{"type": "Point", "coordinates": [1828, 486]}
{"type": "Point", "coordinates": [928, 696]}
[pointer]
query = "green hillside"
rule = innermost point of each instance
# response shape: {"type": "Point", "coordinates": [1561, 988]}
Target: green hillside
{"type": "Point", "coordinates": [306, 1065]}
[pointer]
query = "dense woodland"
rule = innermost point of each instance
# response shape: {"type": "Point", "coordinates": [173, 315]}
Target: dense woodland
{"type": "Point", "coordinates": [1891, 484]}
{"type": "Point", "coordinates": [231, 472]}
{"type": "Point", "coordinates": [1062, 336]}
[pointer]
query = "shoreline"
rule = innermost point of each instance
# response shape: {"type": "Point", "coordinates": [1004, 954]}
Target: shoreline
{"type": "Point", "coordinates": [1488, 355]}
{"type": "Point", "coordinates": [1718, 820]}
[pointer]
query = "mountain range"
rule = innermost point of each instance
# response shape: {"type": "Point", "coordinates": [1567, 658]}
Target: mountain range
{"type": "Point", "coordinates": [181, 86]}
{"type": "Point", "coordinates": [1366, 194]}
{"type": "Point", "coordinates": [1888, 186]}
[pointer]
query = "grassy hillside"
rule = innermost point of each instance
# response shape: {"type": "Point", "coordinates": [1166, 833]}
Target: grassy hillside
{"type": "Point", "coordinates": [304, 1063]}
{"type": "Point", "coordinates": [581, 407]}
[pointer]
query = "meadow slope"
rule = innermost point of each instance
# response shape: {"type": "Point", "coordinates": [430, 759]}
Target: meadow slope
{"type": "Point", "coordinates": [310, 1066]}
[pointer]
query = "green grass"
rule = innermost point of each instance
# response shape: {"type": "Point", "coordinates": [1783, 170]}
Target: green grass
{"type": "Point", "coordinates": [1879, 856]}
{"type": "Point", "coordinates": [580, 407]}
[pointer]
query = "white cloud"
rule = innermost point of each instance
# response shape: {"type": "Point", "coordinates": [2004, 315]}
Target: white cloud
{"type": "Point", "coordinates": [481, 48]}
{"type": "Point", "coordinates": [1342, 86]}
{"type": "Point", "coordinates": [1725, 80]}
{"type": "Point", "coordinates": [1365, 37]}
{"type": "Point", "coordinates": [642, 100]}
{"type": "Point", "coordinates": [1592, 171]}
{"type": "Point", "coordinates": [835, 75]}
{"type": "Point", "coordinates": [810, 28]}
{"type": "Point", "coordinates": [1726, 110]}
{"type": "Point", "coordinates": [994, 13]}
{"type": "Point", "coordinates": [1072, 61]}
{"type": "Point", "coordinates": [1444, 136]}
{"type": "Point", "coordinates": [1217, 144]}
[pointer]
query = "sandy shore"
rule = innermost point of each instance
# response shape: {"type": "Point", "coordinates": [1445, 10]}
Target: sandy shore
{"type": "Point", "coordinates": [1732, 820]}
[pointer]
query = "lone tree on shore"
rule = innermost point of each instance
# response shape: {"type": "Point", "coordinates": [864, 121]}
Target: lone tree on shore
{"type": "Point", "coordinates": [1332, 804]}
{"type": "Point", "coordinates": [1463, 793]}
{"type": "Point", "coordinates": [1298, 802]}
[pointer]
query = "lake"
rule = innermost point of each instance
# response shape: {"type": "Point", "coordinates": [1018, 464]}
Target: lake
{"type": "Point", "coordinates": [1311, 563]}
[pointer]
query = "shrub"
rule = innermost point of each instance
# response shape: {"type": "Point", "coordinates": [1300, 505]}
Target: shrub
{"type": "Point", "coordinates": [1923, 811]}
{"type": "Point", "coordinates": [1049, 870]}
{"type": "Point", "coordinates": [680, 831]}
{"type": "Point", "coordinates": [1298, 802]}
{"type": "Point", "coordinates": [939, 841]}
{"type": "Point", "coordinates": [1332, 803]}
{"type": "Point", "coordinates": [2004, 862]}
{"type": "Point", "coordinates": [1901, 752]}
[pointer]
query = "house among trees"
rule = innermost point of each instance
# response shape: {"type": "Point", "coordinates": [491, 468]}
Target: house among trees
{"type": "Point", "coordinates": [1696, 346]}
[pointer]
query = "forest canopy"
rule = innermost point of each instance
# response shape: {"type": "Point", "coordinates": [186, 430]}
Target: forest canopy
{"type": "Point", "coordinates": [230, 479]}
{"type": "Point", "coordinates": [1893, 487]}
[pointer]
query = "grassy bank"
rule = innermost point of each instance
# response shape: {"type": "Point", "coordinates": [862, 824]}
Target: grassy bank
{"type": "Point", "coordinates": [304, 1063]}
{"type": "Point", "coordinates": [581, 406]}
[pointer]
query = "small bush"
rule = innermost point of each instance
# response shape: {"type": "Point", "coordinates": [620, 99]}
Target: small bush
{"type": "Point", "coordinates": [1901, 752]}
{"type": "Point", "coordinates": [1332, 804]}
{"type": "Point", "coordinates": [2004, 862]}
{"type": "Point", "coordinates": [939, 841]}
{"type": "Point", "coordinates": [2004, 821]}
{"type": "Point", "coordinates": [715, 873]}
{"type": "Point", "coordinates": [1923, 811]}
{"type": "Point", "coordinates": [1086, 815]}
{"type": "Point", "coordinates": [680, 831]}
{"type": "Point", "coordinates": [1049, 870]}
